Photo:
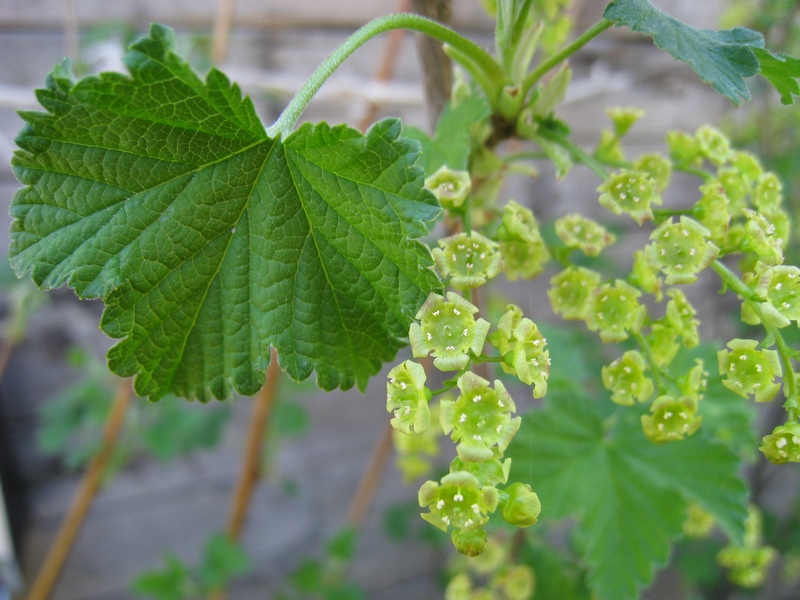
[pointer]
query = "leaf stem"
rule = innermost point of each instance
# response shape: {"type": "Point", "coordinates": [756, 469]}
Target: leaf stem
{"type": "Point", "coordinates": [578, 153]}
{"type": "Point", "coordinates": [288, 119]}
{"type": "Point", "coordinates": [536, 74]}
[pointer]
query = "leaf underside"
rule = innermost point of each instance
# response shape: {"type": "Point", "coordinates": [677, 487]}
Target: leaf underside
{"type": "Point", "coordinates": [208, 241]}
{"type": "Point", "coordinates": [721, 58]}
{"type": "Point", "coordinates": [629, 495]}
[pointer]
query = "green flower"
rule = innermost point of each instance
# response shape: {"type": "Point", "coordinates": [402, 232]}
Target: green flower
{"type": "Point", "coordinates": [762, 238]}
{"type": "Point", "coordinates": [613, 311]}
{"type": "Point", "coordinates": [470, 542]}
{"type": "Point", "coordinates": [768, 193]}
{"type": "Point", "coordinates": [458, 501]}
{"type": "Point", "coordinates": [577, 231]}
{"type": "Point", "coordinates": [683, 148]}
{"type": "Point", "coordinates": [415, 451]}
{"type": "Point", "coordinates": [448, 330]}
{"type": "Point", "coordinates": [712, 210]}
{"type": "Point", "coordinates": [698, 523]}
{"type": "Point", "coordinates": [469, 260]}
{"type": "Point", "coordinates": [780, 286]}
{"type": "Point", "coordinates": [523, 348]}
{"type": "Point", "coordinates": [490, 472]}
{"type": "Point", "coordinates": [450, 187]}
{"type": "Point", "coordinates": [408, 397]}
{"type": "Point", "coordinates": [623, 118]}
{"type": "Point", "coordinates": [748, 371]}
{"type": "Point", "coordinates": [569, 292]}
{"type": "Point", "coordinates": [683, 318]}
{"type": "Point", "coordinates": [480, 419]}
{"type": "Point", "coordinates": [644, 276]}
{"type": "Point", "coordinates": [663, 343]}
{"type": "Point", "coordinates": [632, 193]}
{"type": "Point", "coordinates": [680, 250]}
{"type": "Point", "coordinates": [521, 245]}
{"type": "Point", "coordinates": [609, 148]}
{"type": "Point", "coordinates": [713, 145]}
{"type": "Point", "coordinates": [658, 167]}
{"type": "Point", "coordinates": [517, 582]}
{"type": "Point", "coordinates": [671, 419]}
{"type": "Point", "coordinates": [783, 444]}
{"type": "Point", "coordinates": [520, 505]}
{"type": "Point", "coordinates": [626, 380]}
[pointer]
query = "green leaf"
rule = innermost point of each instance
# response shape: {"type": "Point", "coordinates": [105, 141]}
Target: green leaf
{"type": "Point", "coordinates": [628, 494]}
{"type": "Point", "coordinates": [223, 559]}
{"type": "Point", "coordinates": [208, 241]}
{"type": "Point", "coordinates": [450, 144]}
{"type": "Point", "coordinates": [781, 71]}
{"type": "Point", "coordinates": [721, 58]}
{"type": "Point", "coordinates": [173, 583]}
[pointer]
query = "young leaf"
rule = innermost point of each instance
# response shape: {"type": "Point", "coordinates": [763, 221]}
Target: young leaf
{"type": "Point", "coordinates": [450, 144]}
{"type": "Point", "coordinates": [721, 58]}
{"type": "Point", "coordinates": [782, 72]}
{"type": "Point", "coordinates": [208, 241]}
{"type": "Point", "coordinates": [629, 494]}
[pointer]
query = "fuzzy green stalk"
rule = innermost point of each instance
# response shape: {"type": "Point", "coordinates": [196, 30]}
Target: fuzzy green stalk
{"type": "Point", "coordinates": [477, 55]}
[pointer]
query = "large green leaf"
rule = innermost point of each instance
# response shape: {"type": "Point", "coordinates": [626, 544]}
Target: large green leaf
{"type": "Point", "coordinates": [210, 242]}
{"type": "Point", "coordinates": [721, 58]}
{"type": "Point", "coordinates": [628, 494]}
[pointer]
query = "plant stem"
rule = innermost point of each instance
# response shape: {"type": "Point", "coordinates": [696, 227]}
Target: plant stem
{"type": "Point", "coordinates": [288, 119]}
{"type": "Point", "coordinates": [578, 153]}
{"type": "Point", "coordinates": [532, 77]}
{"type": "Point", "coordinates": [62, 545]}
{"type": "Point", "coordinates": [251, 461]}
{"type": "Point", "coordinates": [654, 368]}
{"type": "Point", "coordinates": [370, 479]}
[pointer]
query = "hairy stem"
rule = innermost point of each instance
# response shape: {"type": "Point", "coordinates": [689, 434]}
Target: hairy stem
{"type": "Point", "coordinates": [288, 119]}
{"type": "Point", "coordinates": [92, 478]}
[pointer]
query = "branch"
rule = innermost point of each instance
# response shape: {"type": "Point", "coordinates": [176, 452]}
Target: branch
{"type": "Point", "coordinates": [62, 545]}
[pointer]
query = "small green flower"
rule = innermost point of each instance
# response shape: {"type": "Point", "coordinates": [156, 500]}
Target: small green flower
{"type": "Point", "coordinates": [609, 148]}
{"type": "Point", "coordinates": [683, 148]}
{"type": "Point", "coordinates": [780, 286]}
{"type": "Point", "coordinates": [521, 245]}
{"type": "Point", "coordinates": [470, 542]}
{"type": "Point", "coordinates": [480, 418]}
{"type": "Point", "coordinates": [577, 231]}
{"type": "Point", "coordinates": [448, 330]}
{"type": "Point", "coordinates": [520, 505]}
{"type": "Point", "coordinates": [407, 396]}
{"type": "Point", "coordinates": [626, 380]}
{"type": "Point", "coordinates": [713, 145]}
{"type": "Point", "coordinates": [671, 419]}
{"type": "Point", "coordinates": [415, 451]}
{"type": "Point", "coordinates": [523, 348]}
{"type": "Point", "coordinates": [747, 164]}
{"type": "Point", "coordinates": [680, 250]}
{"type": "Point", "coordinates": [768, 193]}
{"type": "Point", "coordinates": [783, 444]}
{"type": "Point", "coordinates": [663, 343]}
{"type": "Point", "coordinates": [711, 211]}
{"type": "Point", "coordinates": [623, 118]}
{"type": "Point", "coordinates": [683, 318]}
{"type": "Point", "coordinates": [517, 582]}
{"type": "Point", "coordinates": [658, 167]}
{"type": "Point", "coordinates": [698, 523]}
{"type": "Point", "coordinates": [748, 371]}
{"type": "Point", "coordinates": [613, 311]}
{"type": "Point", "coordinates": [458, 501]}
{"type": "Point", "coordinates": [450, 187]}
{"type": "Point", "coordinates": [736, 185]}
{"type": "Point", "coordinates": [469, 260]}
{"type": "Point", "coordinates": [762, 238]}
{"type": "Point", "coordinates": [748, 566]}
{"type": "Point", "coordinates": [630, 192]}
{"type": "Point", "coordinates": [569, 292]}
{"type": "Point", "coordinates": [490, 472]}
{"type": "Point", "coordinates": [644, 276]}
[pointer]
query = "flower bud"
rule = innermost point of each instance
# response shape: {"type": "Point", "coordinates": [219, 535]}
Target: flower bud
{"type": "Point", "coordinates": [520, 505]}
